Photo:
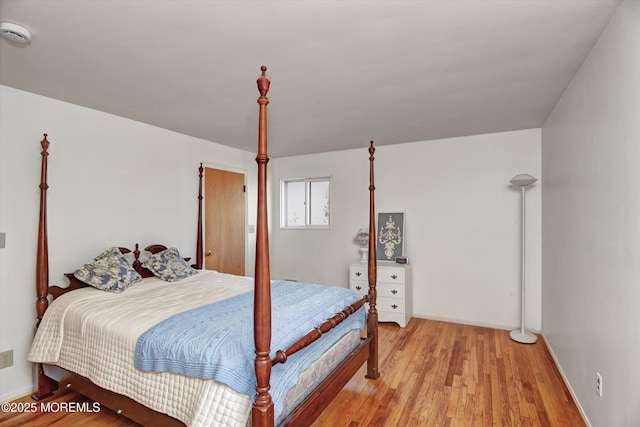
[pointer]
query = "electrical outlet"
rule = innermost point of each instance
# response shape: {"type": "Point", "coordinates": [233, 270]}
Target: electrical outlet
{"type": "Point", "coordinates": [599, 384]}
{"type": "Point", "coordinates": [6, 359]}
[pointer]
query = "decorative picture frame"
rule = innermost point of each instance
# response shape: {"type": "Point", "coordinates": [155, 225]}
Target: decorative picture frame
{"type": "Point", "coordinates": [390, 236]}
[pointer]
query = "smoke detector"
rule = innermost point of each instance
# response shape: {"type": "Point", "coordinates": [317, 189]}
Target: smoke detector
{"type": "Point", "coordinates": [14, 32]}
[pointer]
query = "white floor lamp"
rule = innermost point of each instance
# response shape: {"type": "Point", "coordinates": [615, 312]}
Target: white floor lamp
{"type": "Point", "coordinates": [520, 335]}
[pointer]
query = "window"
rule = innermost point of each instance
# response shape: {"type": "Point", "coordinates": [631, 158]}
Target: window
{"type": "Point", "coordinates": [304, 203]}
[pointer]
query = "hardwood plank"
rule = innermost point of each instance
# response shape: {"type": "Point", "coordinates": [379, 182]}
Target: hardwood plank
{"type": "Point", "coordinates": [432, 374]}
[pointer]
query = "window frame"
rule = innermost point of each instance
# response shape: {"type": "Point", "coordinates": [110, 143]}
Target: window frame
{"type": "Point", "coordinates": [307, 209]}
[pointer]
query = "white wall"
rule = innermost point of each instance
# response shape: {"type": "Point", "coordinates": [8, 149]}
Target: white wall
{"type": "Point", "coordinates": [591, 226]}
{"type": "Point", "coordinates": [462, 222]}
{"type": "Point", "coordinates": [113, 182]}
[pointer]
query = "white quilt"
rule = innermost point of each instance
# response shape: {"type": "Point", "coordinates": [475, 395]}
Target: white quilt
{"type": "Point", "coordinates": [94, 334]}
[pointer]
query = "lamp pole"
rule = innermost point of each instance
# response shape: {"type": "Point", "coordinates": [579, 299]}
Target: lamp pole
{"type": "Point", "coordinates": [521, 335]}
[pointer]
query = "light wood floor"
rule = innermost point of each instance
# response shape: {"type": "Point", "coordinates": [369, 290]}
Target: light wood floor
{"type": "Point", "coordinates": [445, 374]}
{"type": "Point", "coordinates": [432, 374]}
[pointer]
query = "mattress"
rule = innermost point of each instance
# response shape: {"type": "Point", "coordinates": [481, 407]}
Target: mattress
{"type": "Point", "coordinates": [94, 334]}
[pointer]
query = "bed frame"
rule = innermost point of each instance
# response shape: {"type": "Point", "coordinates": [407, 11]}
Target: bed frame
{"type": "Point", "coordinates": [262, 413]}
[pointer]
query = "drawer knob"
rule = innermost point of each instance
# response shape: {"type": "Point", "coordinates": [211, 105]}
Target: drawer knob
{"type": "Point", "coordinates": [394, 277]}
{"type": "Point", "coordinates": [358, 274]}
{"type": "Point", "coordinates": [358, 287]}
{"type": "Point", "coordinates": [394, 306]}
{"type": "Point", "coordinates": [393, 291]}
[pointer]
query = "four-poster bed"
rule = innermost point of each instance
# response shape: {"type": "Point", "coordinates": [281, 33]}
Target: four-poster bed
{"type": "Point", "coordinates": [303, 408]}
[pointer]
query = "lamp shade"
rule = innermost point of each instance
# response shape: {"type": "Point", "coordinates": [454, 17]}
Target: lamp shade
{"type": "Point", "coordinates": [523, 180]}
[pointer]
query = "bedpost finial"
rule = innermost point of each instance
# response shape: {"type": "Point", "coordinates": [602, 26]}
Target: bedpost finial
{"type": "Point", "coordinates": [263, 82]}
{"type": "Point", "coordinates": [45, 143]}
{"type": "Point", "coordinates": [371, 148]}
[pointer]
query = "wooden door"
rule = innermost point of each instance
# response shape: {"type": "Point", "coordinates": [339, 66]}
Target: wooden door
{"type": "Point", "coordinates": [224, 237]}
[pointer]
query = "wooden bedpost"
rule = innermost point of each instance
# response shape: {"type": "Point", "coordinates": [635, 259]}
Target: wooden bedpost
{"type": "Point", "coordinates": [199, 248]}
{"type": "Point", "coordinates": [46, 386]}
{"type": "Point", "coordinates": [42, 260]}
{"type": "Point", "coordinates": [372, 319]}
{"type": "Point", "coordinates": [262, 413]}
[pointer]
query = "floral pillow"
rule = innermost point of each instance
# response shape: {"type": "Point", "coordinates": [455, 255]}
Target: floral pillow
{"type": "Point", "coordinates": [109, 271]}
{"type": "Point", "coordinates": [169, 265]}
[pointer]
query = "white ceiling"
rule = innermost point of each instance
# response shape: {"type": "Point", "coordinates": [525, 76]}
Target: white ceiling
{"type": "Point", "coordinates": [342, 72]}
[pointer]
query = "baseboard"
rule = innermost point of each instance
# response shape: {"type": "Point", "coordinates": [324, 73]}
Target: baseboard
{"type": "Point", "coordinates": [472, 322]}
{"type": "Point", "coordinates": [16, 394]}
{"type": "Point", "coordinates": [566, 381]}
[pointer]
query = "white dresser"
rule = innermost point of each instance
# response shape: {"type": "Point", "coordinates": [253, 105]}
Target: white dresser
{"type": "Point", "coordinates": [394, 289]}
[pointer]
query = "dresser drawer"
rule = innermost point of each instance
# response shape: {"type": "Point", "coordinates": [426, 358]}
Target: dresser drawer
{"type": "Point", "coordinates": [359, 287]}
{"type": "Point", "coordinates": [390, 305]}
{"type": "Point", "coordinates": [386, 290]}
{"type": "Point", "coordinates": [390, 275]}
{"type": "Point", "coordinates": [358, 272]}
{"type": "Point", "coordinates": [385, 274]}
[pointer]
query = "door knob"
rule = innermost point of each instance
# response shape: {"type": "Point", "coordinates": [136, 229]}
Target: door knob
{"type": "Point", "coordinates": [209, 253]}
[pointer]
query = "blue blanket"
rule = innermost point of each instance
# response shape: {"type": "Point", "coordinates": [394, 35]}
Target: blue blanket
{"type": "Point", "coordinates": [216, 341]}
